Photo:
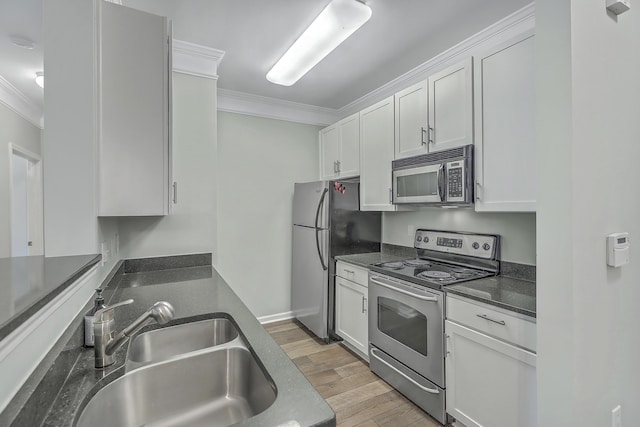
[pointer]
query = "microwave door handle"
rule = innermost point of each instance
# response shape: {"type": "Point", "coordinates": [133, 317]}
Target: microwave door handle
{"type": "Point", "coordinates": [441, 189]}
{"type": "Point", "coordinates": [320, 203]}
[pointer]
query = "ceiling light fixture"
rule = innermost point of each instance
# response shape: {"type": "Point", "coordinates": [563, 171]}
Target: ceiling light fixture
{"type": "Point", "coordinates": [335, 24]}
{"type": "Point", "coordinates": [40, 79]}
{"type": "Point", "coordinates": [23, 42]}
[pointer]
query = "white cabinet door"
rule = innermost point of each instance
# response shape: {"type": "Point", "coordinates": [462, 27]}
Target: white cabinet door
{"type": "Point", "coordinates": [134, 111]}
{"type": "Point", "coordinates": [489, 382]}
{"type": "Point", "coordinates": [505, 127]}
{"type": "Point", "coordinates": [411, 121]}
{"type": "Point", "coordinates": [329, 152]}
{"type": "Point", "coordinates": [451, 107]}
{"type": "Point", "coordinates": [376, 154]}
{"type": "Point", "coordinates": [349, 160]}
{"type": "Point", "coordinates": [352, 319]}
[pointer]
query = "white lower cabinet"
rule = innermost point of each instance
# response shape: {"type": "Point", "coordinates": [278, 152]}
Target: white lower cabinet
{"type": "Point", "coordinates": [352, 317]}
{"type": "Point", "coordinates": [489, 382]}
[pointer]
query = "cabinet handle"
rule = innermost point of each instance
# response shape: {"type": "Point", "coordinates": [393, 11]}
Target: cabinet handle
{"type": "Point", "coordinates": [349, 271]}
{"type": "Point", "coordinates": [477, 190]}
{"type": "Point", "coordinates": [431, 137]}
{"type": "Point", "coordinates": [335, 166]}
{"type": "Point", "coordinates": [485, 317]}
{"type": "Point", "coordinates": [364, 304]}
{"type": "Point", "coordinates": [446, 345]}
{"type": "Point", "coordinates": [175, 192]}
{"type": "Point", "coordinates": [391, 195]}
{"type": "Point", "coordinates": [424, 134]}
{"type": "Point", "coordinates": [338, 164]}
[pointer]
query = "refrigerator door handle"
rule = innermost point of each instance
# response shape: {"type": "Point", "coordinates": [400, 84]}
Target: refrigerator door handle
{"type": "Point", "coordinates": [324, 193]}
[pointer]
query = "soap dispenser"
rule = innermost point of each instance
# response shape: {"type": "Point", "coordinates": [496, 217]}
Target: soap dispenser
{"type": "Point", "coordinates": [88, 319]}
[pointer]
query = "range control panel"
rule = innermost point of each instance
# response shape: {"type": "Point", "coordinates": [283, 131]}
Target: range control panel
{"type": "Point", "coordinates": [476, 245]}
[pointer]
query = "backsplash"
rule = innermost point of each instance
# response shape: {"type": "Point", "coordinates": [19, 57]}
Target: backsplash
{"type": "Point", "coordinates": [517, 230]}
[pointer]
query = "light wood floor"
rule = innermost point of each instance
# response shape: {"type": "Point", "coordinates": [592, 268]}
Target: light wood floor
{"type": "Point", "coordinates": [357, 395]}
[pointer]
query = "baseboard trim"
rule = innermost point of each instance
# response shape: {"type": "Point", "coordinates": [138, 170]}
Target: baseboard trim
{"type": "Point", "coordinates": [276, 317]}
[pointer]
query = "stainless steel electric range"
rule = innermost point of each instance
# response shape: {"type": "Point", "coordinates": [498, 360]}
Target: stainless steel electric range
{"type": "Point", "coordinates": [407, 310]}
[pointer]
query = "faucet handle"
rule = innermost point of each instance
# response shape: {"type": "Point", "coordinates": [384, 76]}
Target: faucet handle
{"type": "Point", "coordinates": [106, 313]}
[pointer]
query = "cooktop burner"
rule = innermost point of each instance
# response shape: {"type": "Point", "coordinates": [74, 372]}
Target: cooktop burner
{"type": "Point", "coordinates": [429, 272]}
{"type": "Point", "coordinates": [417, 262]}
{"type": "Point", "coordinates": [394, 265]}
{"type": "Point", "coordinates": [437, 275]}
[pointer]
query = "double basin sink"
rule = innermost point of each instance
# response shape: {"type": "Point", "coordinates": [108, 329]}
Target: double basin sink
{"type": "Point", "coordinates": [199, 373]}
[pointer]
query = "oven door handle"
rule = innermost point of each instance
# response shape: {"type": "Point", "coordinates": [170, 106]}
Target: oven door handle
{"type": "Point", "coordinates": [411, 294]}
{"type": "Point", "coordinates": [403, 375]}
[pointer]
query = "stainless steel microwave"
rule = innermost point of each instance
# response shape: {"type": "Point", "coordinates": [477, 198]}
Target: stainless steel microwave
{"type": "Point", "coordinates": [441, 178]}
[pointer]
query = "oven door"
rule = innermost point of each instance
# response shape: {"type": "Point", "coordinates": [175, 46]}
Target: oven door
{"type": "Point", "coordinates": [406, 322]}
{"type": "Point", "coordinates": [424, 184]}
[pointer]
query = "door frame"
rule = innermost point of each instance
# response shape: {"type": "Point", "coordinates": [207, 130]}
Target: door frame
{"type": "Point", "coordinates": [35, 194]}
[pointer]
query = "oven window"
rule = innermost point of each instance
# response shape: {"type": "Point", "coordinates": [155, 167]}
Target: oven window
{"type": "Point", "coordinates": [403, 323]}
{"type": "Point", "coordinates": [423, 184]}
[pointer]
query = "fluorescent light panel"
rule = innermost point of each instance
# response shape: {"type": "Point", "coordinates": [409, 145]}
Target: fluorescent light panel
{"type": "Point", "coordinates": [335, 24]}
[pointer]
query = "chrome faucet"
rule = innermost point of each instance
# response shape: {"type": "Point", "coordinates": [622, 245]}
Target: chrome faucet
{"type": "Point", "coordinates": [104, 328]}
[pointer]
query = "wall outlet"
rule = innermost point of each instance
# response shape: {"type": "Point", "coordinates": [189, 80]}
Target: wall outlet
{"type": "Point", "coordinates": [616, 416]}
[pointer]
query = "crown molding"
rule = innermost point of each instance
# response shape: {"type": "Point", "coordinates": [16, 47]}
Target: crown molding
{"type": "Point", "coordinates": [245, 103]}
{"type": "Point", "coordinates": [508, 27]}
{"type": "Point", "coordinates": [195, 59]}
{"type": "Point", "coordinates": [18, 102]}
{"type": "Point", "coordinates": [255, 105]}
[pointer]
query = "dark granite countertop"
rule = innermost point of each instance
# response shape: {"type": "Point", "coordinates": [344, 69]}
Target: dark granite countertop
{"type": "Point", "coordinates": [29, 283]}
{"type": "Point", "coordinates": [512, 294]}
{"type": "Point", "coordinates": [367, 259]}
{"type": "Point", "coordinates": [195, 292]}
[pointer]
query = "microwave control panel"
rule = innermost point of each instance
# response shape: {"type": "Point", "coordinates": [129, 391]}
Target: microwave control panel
{"type": "Point", "coordinates": [455, 181]}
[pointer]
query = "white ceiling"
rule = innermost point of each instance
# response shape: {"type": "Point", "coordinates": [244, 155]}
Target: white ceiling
{"type": "Point", "coordinates": [18, 65]}
{"type": "Point", "coordinates": [400, 35]}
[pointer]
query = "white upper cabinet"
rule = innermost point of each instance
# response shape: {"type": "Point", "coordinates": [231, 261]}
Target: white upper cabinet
{"type": "Point", "coordinates": [505, 150]}
{"type": "Point", "coordinates": [451, 107]}
{"type": "Point", "coordinates": [376, 153]}
{"type": "Point", "coordinates": [340, 149]}
{"type": "Point", "coordinates": [436, 114]}
{"type": "Point", "coordinates": [411, 121]}
{"type": "Point", "coordinates": [134, 83]}
{"type": "Point", "coordinates": [329, 152]}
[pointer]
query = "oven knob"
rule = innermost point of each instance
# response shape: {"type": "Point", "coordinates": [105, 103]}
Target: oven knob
{"type": "Point", "coordinates": [419, 238]}
{"type": "Point", "coordinates": [475, 245]}
{"type": "Point", "coordinates": [426, 239]}
{"type": "Point", "coordinates": [486, 247]}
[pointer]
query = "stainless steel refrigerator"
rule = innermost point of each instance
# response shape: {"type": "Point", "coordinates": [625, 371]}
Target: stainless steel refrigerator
{"type": "Point", "coordinates": [327, 222]}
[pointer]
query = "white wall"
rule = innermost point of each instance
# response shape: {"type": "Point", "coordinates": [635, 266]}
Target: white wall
{"type": "Point", "coordinates": [191, 227]}
{"type": "Point", "coordinates": [588, 135]}
{"type": "Point", "coordinates": [259, 160]}
{"type": "Point", "coordinates": [517, 230]}
{"type": "Point", "coordinates": [19, 131]}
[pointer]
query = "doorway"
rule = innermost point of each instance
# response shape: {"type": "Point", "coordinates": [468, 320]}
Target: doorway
{"type": "Point", "coordinates": [25, 170]}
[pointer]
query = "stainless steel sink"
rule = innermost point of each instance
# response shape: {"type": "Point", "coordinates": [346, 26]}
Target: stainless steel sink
{"type": "Point", "coordinates": [166, 343]}
{"type": "Point", "coordinates": [219, 387]}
